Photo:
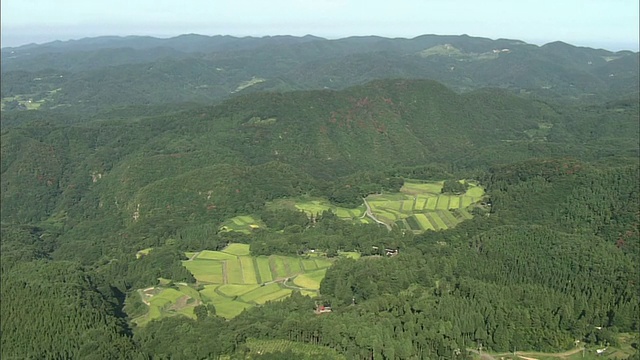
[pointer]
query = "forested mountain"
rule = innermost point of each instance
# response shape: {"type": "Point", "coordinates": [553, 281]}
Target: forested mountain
{"type": "Point", "coordinates": [90, 74]}
{"type": "Point", "coordinates": [140, 153]}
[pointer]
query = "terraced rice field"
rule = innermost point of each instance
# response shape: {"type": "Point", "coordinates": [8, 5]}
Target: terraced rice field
{"type": "Point", "coordinates": [232, 281]}
{"type": "Point", "coordinates": [401, 208]}
{"type": "Point", "coordinates": [215, 255]}
{"type": "Point", "coordinates": [422, 206]}
{"type": "Point", "coordinates": [313, 206]}
{"type": "Point", "coordinates": [244, 224]}
{"type": "Point", "coordinates": [264, 269]}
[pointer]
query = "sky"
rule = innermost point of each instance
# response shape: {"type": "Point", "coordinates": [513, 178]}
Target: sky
{"type": "Point", "coordinates": [608, 24]}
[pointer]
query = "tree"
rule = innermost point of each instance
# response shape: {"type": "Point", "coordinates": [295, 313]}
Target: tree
{"type": "Point", "coordinates": [454, 187]}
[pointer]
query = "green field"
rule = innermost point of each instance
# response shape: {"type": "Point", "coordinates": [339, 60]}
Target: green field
{"type": "Point", "coordinates": [231, 290]}
{"type": "Point", "coordinates": [261, 292]}
{"type": "Point", "coordinates": [349, 254]}
{"type": "Point", "coordinates": [237, 249]}
{"type": "Point", "coordinates": [264, 269]}
{"type": "Point", "coordinates": [166, 301]}
{"type": "Point", "coordinates": [233, 269]}
{"type": "Point", "coordinates": [309, 265]}
{"type": "Point", "coordinates": [244, 224]}
{"type": "Point", "coordinates": [248, 270]}
{"type": "Point", "coordinates": [396, 209]}
{"type": "Point", "coordinates": [313, 206]}
{"type": "Point", "coordinates": [206, 271]}
{"type": "Point", "coordinates": [143, 252]}
{"type": "Point", "coordinates": [214, 255]}
{"type": "Point", "coordinates": [422, 206]}
{"type": "Point", "coordinates": [310, 280]}
{"type": "Point", "coordinates": [232, 281]}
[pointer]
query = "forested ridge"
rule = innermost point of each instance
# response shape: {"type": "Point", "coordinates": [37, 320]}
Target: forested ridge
{"type": "Point", "coordinates": [97, 74]}
{"type": "Point", "coordinates": [552, 256]}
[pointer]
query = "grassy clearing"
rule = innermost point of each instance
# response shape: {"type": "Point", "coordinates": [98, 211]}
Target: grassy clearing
{"type": "Point", "coordinates": [349, 254]}
{"type": "Point", "coordinates": [143, 252]}
{"type": "Point", "coordinates": [244, 224]}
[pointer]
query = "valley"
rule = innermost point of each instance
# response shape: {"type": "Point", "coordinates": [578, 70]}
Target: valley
{"type": "Point", "coordinates": [284, 197]}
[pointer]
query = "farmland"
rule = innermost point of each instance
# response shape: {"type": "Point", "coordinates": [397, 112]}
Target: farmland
{"type": "Point", "coordinates": [417, 207]}
{"type": "Point", "coordinates": [244, 224]}
{"type": "Point", "coordinates": [422, 206]}
{"type": "Point", "coordinates": [232, 281]}
{"type": "Point", "coordinates": [314, 206]}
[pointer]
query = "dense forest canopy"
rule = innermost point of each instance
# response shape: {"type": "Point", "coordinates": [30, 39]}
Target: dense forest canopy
{"type": "Point", "coordinates": [112, 179]}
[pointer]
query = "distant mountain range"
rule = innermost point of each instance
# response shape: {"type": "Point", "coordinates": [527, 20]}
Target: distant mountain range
{"type": "Point", "coordinates": [103, 72]}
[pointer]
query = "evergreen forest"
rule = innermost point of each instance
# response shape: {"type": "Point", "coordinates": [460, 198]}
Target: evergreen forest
{"type": "Point", "coordinates": [122, 159]}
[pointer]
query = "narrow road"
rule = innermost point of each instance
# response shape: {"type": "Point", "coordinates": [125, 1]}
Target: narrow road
{"type": "Point", "coordinates": [370, 214]}
{"type": "Point", "coordinates": [526, 354]}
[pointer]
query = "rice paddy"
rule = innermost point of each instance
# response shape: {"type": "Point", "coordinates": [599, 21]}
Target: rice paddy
{"type": "Point", "coordinates": [422, 206]}
{"type": "Point", "coordinates": [232, 281]}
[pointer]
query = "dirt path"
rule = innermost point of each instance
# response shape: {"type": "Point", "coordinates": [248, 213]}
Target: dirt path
{"type": "Point", "coordinates": [295, 287]}
{"type": "Point", "coordinates": [244, 281]}
{"type": "Point", "coordinates": [484, 356]}
{"type": "Point", "coordinates": [370, 214]}
{"type": "Point", "coordinates": [225, 279]}
{"type": "Point", "coordinates": [194, 256]}
{"type": "Point", "coordinates": [527, 355]}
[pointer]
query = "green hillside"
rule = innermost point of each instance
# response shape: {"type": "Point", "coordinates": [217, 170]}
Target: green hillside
{"type": "Point", "coordinates": [148, 232]}
{"type": "Point", "coordinates": [231, 281]}
{"type": "Point", "coordinates": [98, 74]}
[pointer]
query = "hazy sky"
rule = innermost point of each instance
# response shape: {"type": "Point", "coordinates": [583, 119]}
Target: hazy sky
{"type": "Point", "coordinates": [610, 24]}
